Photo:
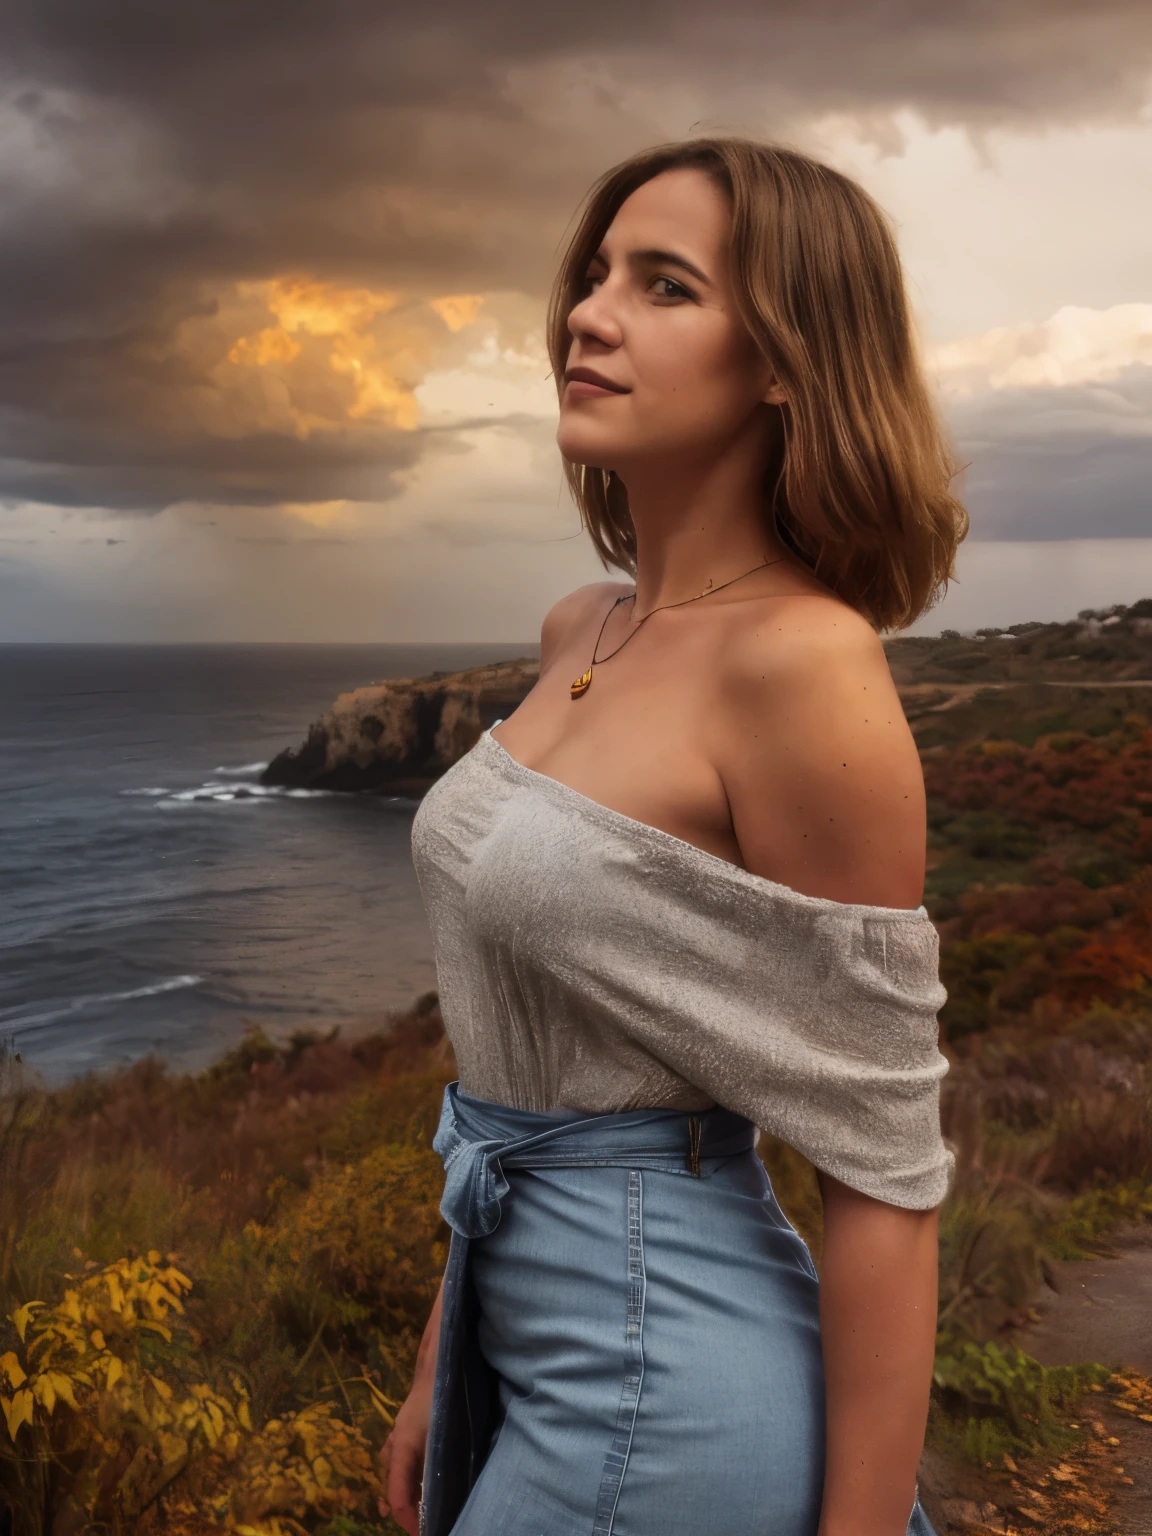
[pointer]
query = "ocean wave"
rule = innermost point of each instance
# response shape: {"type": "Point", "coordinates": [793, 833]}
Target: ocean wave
{"type": "Point", "coordinates": [244, 768]}
{"type": "Point", "coordinates": [252, 794]}
{"type": "Point", "coordinates": [219, 792]}
{"type": "Point", "coordinates": [94, 999]}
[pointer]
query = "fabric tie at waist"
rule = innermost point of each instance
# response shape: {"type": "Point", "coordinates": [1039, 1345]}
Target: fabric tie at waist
{"type": "Point", "coordinates": [478, 1140]}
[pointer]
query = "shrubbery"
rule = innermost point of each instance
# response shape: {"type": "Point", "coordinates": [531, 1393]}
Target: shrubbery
{"type": "Point", "coordinates": [241, 1378]}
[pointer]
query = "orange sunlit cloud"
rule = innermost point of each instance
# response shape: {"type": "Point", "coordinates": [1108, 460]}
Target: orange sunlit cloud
{"type": "Point", "coordinates": [458, 309]}
{"type": "Point", "coordinates": [320, 514]}
{"type": "Point", "coordinates": [380, 368]}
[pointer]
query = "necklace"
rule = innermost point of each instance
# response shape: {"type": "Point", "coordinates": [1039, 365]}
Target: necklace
{"type": "Point", "coordinates": [582, 684]}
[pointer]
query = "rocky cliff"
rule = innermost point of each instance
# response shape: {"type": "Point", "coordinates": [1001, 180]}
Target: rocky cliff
{"type": "Point", "coordinates": [398, 737]}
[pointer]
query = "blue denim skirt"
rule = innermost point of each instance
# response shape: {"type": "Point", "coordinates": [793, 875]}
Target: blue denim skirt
{"type": "Point", "coordinates": [630, 1343]}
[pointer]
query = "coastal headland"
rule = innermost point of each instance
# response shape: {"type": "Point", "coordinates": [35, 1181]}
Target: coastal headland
{"type": "Point", "coordinates": [398, 737]}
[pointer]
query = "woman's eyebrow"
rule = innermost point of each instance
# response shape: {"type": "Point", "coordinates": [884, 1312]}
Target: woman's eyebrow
{"type": "Point", "coordinates": [661, 258]}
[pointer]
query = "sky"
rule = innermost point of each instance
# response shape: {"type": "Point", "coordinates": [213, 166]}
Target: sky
{"type": "Point", "coordinates": [273, 278]}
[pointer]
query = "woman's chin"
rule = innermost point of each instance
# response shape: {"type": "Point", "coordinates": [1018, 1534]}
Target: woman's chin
{"type": "Point", "coordinates": [586, 448]}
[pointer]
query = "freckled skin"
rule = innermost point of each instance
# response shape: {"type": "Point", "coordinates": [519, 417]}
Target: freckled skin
{"type": "Point", "coordinates": [721, 720]}
{"type": "Point", "coordinates": [750, 743]}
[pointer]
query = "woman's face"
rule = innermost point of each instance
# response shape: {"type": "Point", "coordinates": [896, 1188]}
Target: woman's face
{"type": "Point", "coordinates": [658, 322]}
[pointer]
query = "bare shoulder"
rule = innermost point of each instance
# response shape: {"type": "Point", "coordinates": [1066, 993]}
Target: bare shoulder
{"type": "Point", "coordinates": [817, 659]}
{"type": "Point", "coordinates": [787, 640]}
{"type": "Point", "coordinates": [573, 613]}
{"type": "Point", "coordinates": [822, 773]}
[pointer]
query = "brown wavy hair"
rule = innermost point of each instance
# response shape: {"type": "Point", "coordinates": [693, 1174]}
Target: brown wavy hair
{"type": "Point", "coordinates": [861, 487]}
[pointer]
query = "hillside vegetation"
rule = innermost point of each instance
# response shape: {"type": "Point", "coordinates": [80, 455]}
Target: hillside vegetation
{"type": "Point", "coordinates": [1109, 644]}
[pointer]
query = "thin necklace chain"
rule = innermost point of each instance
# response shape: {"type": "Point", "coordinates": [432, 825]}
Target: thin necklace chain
{"type": "Point", "coordinates": [710, 592]}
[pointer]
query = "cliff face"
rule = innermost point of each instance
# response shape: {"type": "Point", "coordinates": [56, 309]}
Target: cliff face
{"type": "Point", "coordinates": [398, 737]}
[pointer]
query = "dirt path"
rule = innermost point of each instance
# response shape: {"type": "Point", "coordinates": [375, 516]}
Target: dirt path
{"type": "Point", "coordinates": [942, 697]}
{"type": "Point", "coordinates": [1102, 1311]}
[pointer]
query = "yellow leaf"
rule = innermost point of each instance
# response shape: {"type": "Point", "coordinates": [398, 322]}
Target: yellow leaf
{"type": "Point", "coordinates": [242, 1413]}
{"type": "Point", "coordinates": [173, 1448]}
{"type": "Point", "coordinates": [98, 1339]}
{"type": "Point", "coordinates": [12, 1368]}
{"type": "Point", "coordinates": [115, 1371]}
{"type": "Point", "coordinates": [162, 1387]}
{"type": "Point", "coordinates": [44, 1392]}
{"type": "Point", "coordinates": [115, 1292]}
{"type": "Point", "coordinates": [17, 1411]}
{"type": "Point", "coordinates": [63, 1387]}
{"type": "Point", "coordinates": [23, 1316]}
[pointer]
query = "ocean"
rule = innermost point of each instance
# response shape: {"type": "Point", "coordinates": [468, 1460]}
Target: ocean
{"type": "Point", "coordinates": [154, 897]}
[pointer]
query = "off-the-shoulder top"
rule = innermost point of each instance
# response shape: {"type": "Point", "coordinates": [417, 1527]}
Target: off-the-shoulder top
{"type": "Point", "coordinates": [589, 961]}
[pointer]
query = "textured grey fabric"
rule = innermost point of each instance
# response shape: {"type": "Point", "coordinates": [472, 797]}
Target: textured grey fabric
{"type": "Point", "coordinates": [588, 961]}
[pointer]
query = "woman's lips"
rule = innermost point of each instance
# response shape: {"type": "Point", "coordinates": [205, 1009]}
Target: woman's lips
{"type": "Point", "coordinates": [587, 391]}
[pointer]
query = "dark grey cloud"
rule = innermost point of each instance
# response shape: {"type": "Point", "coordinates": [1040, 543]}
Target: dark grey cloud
{"type": "Point", "coordinates": [152, 154]}
{"type": "Point", "coordinates": [1059, 463]}
{"type": "Point", "coordinates": [130, 468]}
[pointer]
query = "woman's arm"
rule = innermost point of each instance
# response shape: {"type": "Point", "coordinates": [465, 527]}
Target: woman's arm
{"type": "Point", "coordinates": [827, 796]}
{"type": "Point", "coordinates": [402, 1454]}
{"type": "Point", "coordinates": [878, 1328]}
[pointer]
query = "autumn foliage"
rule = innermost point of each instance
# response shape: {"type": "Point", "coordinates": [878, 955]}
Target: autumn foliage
{"type": "Point", "coordinates": [237, 1371]}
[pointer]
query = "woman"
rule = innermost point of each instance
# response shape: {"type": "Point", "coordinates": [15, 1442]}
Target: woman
{"type": "Point", "coordinates": [677, 897]}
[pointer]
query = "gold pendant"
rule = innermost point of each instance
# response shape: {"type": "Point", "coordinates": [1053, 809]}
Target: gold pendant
{"type": "Point", "coordinates": [581, 685]}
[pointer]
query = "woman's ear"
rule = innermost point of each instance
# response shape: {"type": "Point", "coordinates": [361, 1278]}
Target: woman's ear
{"type": "Point", "coordinates": [774, 395]}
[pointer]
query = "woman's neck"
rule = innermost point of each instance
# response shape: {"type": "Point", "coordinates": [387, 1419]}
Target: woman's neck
{"type": "Point", "coordinates": [700, 516]}
{"type": "Point", "coordinates": [689, 538]}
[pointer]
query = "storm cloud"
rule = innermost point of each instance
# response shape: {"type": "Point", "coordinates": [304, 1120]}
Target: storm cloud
{"type": "Point", "coordinates": [272, 279]}
{"type": "Point", "coordinates": [154, 160]}
{"type": "Point", "coordinates": [1074, 462]}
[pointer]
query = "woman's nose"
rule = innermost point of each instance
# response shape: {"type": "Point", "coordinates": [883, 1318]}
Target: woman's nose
{"type": "Point", "coordinates": [595, 318]}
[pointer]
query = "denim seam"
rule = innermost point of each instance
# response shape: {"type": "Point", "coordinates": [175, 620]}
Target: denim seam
{"type": "Point", "coordinates": [662, 1159]}
{"type": "Point", "coordinates": [616, 1459]}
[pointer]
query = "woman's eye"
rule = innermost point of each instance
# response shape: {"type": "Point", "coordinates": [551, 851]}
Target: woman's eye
{"type": "Point", "coordinates": [672, 289]}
